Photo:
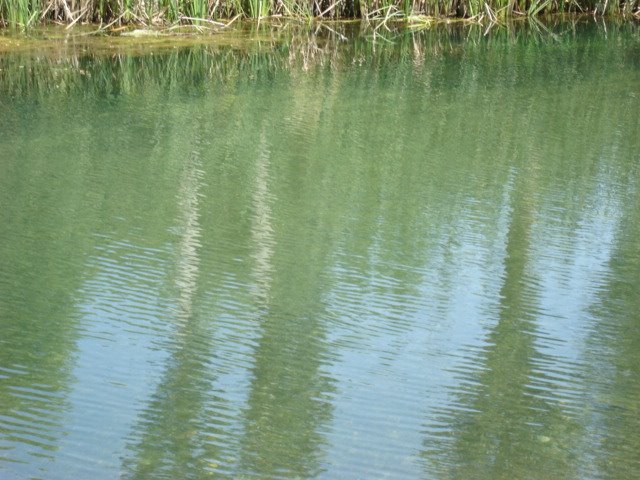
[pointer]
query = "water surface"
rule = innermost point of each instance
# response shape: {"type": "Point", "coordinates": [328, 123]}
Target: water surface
{"type": "Point", "coordinates": [409, 256]}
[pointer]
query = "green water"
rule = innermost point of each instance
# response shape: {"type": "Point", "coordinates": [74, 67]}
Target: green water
{"type": "Point", "coordinates": [415, 256]}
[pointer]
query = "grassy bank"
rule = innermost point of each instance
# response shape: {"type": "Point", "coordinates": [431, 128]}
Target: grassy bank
{"type": "Point", "coordinates": [22, 13]}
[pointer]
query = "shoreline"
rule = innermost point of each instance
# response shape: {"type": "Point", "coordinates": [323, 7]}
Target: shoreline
{"type": "Point", "coordinates": [58, 41]}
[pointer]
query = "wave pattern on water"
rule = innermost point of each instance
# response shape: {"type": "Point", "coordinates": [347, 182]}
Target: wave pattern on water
{"type": "Point", "coordinates": [417, 260]}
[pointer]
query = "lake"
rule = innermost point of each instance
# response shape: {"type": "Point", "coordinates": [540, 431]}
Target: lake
{"type": "Point", "coordinates": [332, 252]}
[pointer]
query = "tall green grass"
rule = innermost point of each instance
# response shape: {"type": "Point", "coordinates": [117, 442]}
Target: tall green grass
{"type": "Point", "coordinates": [23, 13]}
{"type": "Point", "coordinates": [19, 12]}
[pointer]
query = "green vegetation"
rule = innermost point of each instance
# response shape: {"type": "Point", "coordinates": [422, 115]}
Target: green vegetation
{"type": "Point", "coordinates": [122, 65]}
{"type": "Point", "coordinates": [24, 13]}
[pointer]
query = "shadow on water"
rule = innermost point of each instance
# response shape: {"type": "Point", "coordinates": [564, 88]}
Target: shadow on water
{"type": "Point", "coordinates": [508, 420]}
{"type": "Point", "coordinates": [171, 441]}
{"type": "Point", "coordinates": [613, 411]}
{"type": "Point", "coordinates": [277, 432]}
{"type": "Point", "coordinates": [41, 251]}
{"type": "Point", "coordinates": [289, 398]}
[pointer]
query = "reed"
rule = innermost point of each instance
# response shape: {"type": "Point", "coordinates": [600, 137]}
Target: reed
{"type": "Point", "coordinates": [24, 13]}
{"type": "Point", "coordinates": [19, 12]}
